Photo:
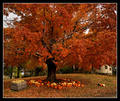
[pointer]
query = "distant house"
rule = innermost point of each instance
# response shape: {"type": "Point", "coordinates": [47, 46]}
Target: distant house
{"type": "Point", "coordinates": [105, 69]}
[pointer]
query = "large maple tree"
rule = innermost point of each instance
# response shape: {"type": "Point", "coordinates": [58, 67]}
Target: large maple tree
{"type": "Point", "coordinates": [53, 34]}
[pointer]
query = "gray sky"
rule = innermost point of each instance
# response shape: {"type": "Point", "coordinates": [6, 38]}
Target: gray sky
{"type": "Point", "coordinates": [9, 19]}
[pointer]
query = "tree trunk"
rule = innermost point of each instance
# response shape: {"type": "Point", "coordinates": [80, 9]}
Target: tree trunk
{"type": "Point", "coordinates": [51, 70]}
{"type": "Point", "coordinates": [74, 68]}
{"type": "Point", "coordinates": [11, 72]}
{"type": "Point", "coordinates": [18, 72]}
{"type": "Point", "coordinates": [31, 73]}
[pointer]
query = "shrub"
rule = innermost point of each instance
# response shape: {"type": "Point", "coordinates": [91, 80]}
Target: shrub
{"type": "Point", "coordinates": [42, 73]}
{"type": "Point", "coordinates": [65, 69]}
{"type": "Point", "coordinates": [7, 70]}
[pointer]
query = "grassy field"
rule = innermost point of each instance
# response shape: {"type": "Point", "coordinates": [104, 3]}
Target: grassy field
{"type": "Point", "coordinates": [90, 90]}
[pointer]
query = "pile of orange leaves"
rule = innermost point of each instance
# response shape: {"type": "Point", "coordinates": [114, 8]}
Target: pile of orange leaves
{"type": "Point", "coordinates": [56, 85]}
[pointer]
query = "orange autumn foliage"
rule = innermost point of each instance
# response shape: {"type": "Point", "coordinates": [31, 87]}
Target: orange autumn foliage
{"type": "Point", "coordinates": [57, 31]}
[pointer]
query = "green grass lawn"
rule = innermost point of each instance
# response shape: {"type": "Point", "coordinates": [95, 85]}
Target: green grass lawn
{"type": "Point", "coordinates": [91, 88]}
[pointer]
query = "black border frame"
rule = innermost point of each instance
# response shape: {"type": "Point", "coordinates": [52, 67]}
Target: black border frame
{"type": "Point", "coordinates": [61, 1]}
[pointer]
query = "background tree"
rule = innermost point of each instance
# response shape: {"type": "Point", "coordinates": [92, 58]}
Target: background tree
{"type": "Point", "coordinates": [54, 34]}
